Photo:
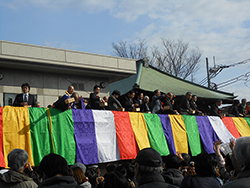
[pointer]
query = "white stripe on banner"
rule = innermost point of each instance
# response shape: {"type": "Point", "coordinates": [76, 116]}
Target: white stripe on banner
{"type": "Point", "coordinates": [220, 129]}
{"type": "Point", "coordinates": [106, 136]}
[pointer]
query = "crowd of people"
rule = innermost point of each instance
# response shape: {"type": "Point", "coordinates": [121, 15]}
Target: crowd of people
{"type": "Point", "coordinates": [149, 169]}
{"type": "Point", "coordinates": [160, 103]}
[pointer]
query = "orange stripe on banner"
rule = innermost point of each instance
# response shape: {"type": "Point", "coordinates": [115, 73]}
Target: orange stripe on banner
{"type": "Point", "coordinates": [140, 129]}
{"type": "Point", "coordinates": [179, 133]}
{"type": "Point", "coordinates": [16, 131]}
{"type": "Point", "coordinates": [230, 125]}
{"type": "Point", "coordinates": [125, 136]}
{"type": "Point", "coordinates": [51, 131]}
{"type": "Point", "coordinates": [242, 126]}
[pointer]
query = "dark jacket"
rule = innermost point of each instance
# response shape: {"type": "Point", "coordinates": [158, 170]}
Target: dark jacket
{"type": "Point", "coordinates": [16, 180]}
{"type": "Point", "coordinates": [242, 180]}
{"type": "Point", "coordinates": [140, 103]}
{"type": "Point", "coordinates": [233, 111]}
{"type": "Point", "coordinates": [156, 103]}
{"type": "Point", "coordinates": [59, 182]}
{"type": "Point", "coordinates": [19, 99]}
{"type": "Point", "coordinates": [94, 101]}
{"type": "Point", "coordinates": [153, 180]}
{"type": "Point", "coordinates": [113, 103]}
{"type": "Point", "coordinates": [173, 176]}
{"type": "Point", "coordinates": [214, 110]}
{"type": "Point", "coordinates": [167, 102]}
{"type": "Point", "coordinates": [195, 181]}
{"type": "Point", "coordinates": [127, 103]}
{"type": "Point", "coordinates": [185, 105]}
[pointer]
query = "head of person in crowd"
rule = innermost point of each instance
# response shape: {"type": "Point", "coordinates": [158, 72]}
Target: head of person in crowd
{"type": "Point", "coordinates": [105, 98]}
{"type": "Point", "coordinates": [170, 95]}
{"type": "Point", "coordinates": [97, 89]}
{"type": "Point", "coordinates": [189, 95]}
{"type": "Point", "coordinates": [116, 94]}
{"type": "Point", "coordinates": [146, 99]}
{"type": "Point", "coordinates": [205, 164]}
{"type": "Point", "coordinates": [147, 161]}
{"type": "Point", "coordinates": [17, 160]}
{"type": "Point", "coordinates": [172, 161]}
{"type": "Point", "coordinates": [241, 155]}
{"type": "Point", "coordinates": [157, 92]}
{"type": "Point", "coordinates": [243, 102]}
{"type": "Point", "coordinates": [186, 157]}
{"type": "Point", "coordinates": [219, 102]}
{"type": "Point", "coordinates": [140, 96]}
{"type": "Point", "coordinates": [92, 175]}
{"type": "Point", "coordinates": [38, 105]}
{"type": "Point", "coordinates": [194, 98]}
{"type": "Point", "coordinates": [71, 89]}
{"type": "Point", "coordinates": [131, 94]}
{"type": "Point", "coordinates": [25, 88]}
{"type": "Point", "coordinates": [115, 179]}
{"type": "Point", "coordinates": [53, 165]}
{"type": "Point", "coordinates": [79, 175]}
{"type": "Point", "coordinates": [75, 95]}
{"type": "Point", "coordinates": [236, 103]}
{"type": "Point", "coordinates": [130, 170]}
{"type": "Point", "coordinates": [121, 169]}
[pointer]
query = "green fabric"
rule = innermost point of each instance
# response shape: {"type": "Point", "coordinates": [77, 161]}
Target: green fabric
{"type": "Point", "coordinates": [40, 134]}
{"type": "Point", "coordinates": [193, 134]}
{"type": "Point", "coordinates": [248, 121]}
{"type": "Point", "coordinates": [155, 133]}
{"type": "Point", "coordinates": [63, 134]}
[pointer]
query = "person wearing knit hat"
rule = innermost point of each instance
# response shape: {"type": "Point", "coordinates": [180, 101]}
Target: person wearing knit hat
{"type": "Point", "coordinates": [148, 169]}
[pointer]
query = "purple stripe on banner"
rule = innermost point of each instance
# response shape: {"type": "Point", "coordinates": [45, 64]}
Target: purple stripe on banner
{"type": "Point", "coordinates": [86, 146]}
{"type": "Point", "coordinates": [167, 129]}
{"type": "Point", "coordinates": [207, 133]}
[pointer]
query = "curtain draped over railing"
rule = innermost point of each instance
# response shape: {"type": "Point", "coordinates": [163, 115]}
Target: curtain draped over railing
{"type": "Point", "coordinates": [98, 136]}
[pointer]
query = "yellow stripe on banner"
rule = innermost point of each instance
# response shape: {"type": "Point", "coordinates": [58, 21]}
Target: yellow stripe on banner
{"type": "Point", "coordinates": [51, 130]}
{"type": "Point", "coordinates": [242, 126]}
{"type": "Point", "coordinates": [179, 133]}
{"type": "Point", "coordinates": [16, 131]}
{"type": "Point", "coordinates": [140, 129]}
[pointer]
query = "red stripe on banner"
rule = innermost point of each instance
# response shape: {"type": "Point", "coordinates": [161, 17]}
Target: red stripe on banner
{"type": "Point", "coordinates": [125, 135]}
{"type": "Point", "coordinates": [2, 161]}
{"type": "Point", "coordinates": [229, 123]}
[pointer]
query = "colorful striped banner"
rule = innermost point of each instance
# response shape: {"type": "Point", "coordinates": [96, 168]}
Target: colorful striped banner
{"type": "Point", "coordinates": [94, 136]}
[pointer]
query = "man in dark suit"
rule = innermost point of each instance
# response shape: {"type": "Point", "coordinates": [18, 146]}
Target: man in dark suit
{"type": "Point", "coordinates": [25, 99]}
{"type": "Point", "coordinates": [185, 107]}
{"type": "Point", "coordinates": [167, 101]}
{"type": "Point", "coordinates": [113, 102]}
{"type": "Point", "coordinates": [156, 101]}
{"type": "Point", "coordinates": [139, 101]}
{"type": "Point", "coordinates": [127, 101]}
{"type": "Point", "coordinates": [94, 99]}
{"type": "Point", "coordinates": [215, 109]}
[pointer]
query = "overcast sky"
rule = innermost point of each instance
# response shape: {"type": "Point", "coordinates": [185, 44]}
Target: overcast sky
{"type": "Point", "coordinates": [220, 28]}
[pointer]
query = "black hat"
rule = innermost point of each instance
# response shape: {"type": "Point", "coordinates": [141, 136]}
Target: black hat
{"type": "Point", "coordinates": [149, 157]}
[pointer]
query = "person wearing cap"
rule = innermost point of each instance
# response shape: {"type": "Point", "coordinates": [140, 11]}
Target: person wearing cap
{"type": "Point", "coordinates": [113, 102]}
{"type": "Point", "coordinates": [15, 176]}
{"type": "Point", "coordinates": [79, 171]}
{"type": "Point", "coordinates": [148, 169]}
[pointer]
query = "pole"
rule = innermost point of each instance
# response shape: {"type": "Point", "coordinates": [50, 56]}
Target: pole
{"type": "Point", "coordinates": [208, 78]}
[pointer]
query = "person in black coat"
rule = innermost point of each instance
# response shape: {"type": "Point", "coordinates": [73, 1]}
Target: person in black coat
{"type": "Point", "coordinates": [185, 107]}
{"type": "Point", "coordinates": [127, 101]}
{"type": "Point", "coordinates": [25, 99]}
{"type": "Point", "coordinates": [233, 110]}
{"type": "Point", "coordinates": [167, 101]}
{"type": "Point", "coordinates": [113, 102]}
{"type": "Point", "coordinates": [139, 101]}
{"type": "Point", "coordinates": [94, 99]}
{"type": "Point", "coordinates": [215, 109]}
{"type": "Point", "coordinates": [194, 106]}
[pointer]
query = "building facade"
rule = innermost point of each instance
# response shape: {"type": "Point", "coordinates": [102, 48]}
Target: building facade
{"type": "Point", "coordinates": [49, 71]}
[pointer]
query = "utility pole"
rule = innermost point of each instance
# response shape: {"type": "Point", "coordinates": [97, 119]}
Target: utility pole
{"type": "Point", "coordinates": [208, 77]}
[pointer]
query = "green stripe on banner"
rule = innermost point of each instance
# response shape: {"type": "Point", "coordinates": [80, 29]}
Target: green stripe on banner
{"type": "Point", "coordinates": [40, 134]}
{"type": "Point", "coordinates": [63, 134]}
{"type": "Point", "coordinates": [248, 121]}
{"type": "Point", "coordinates": [193, 134]}
{"type": "Point", "coordinates": [155, 133]}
